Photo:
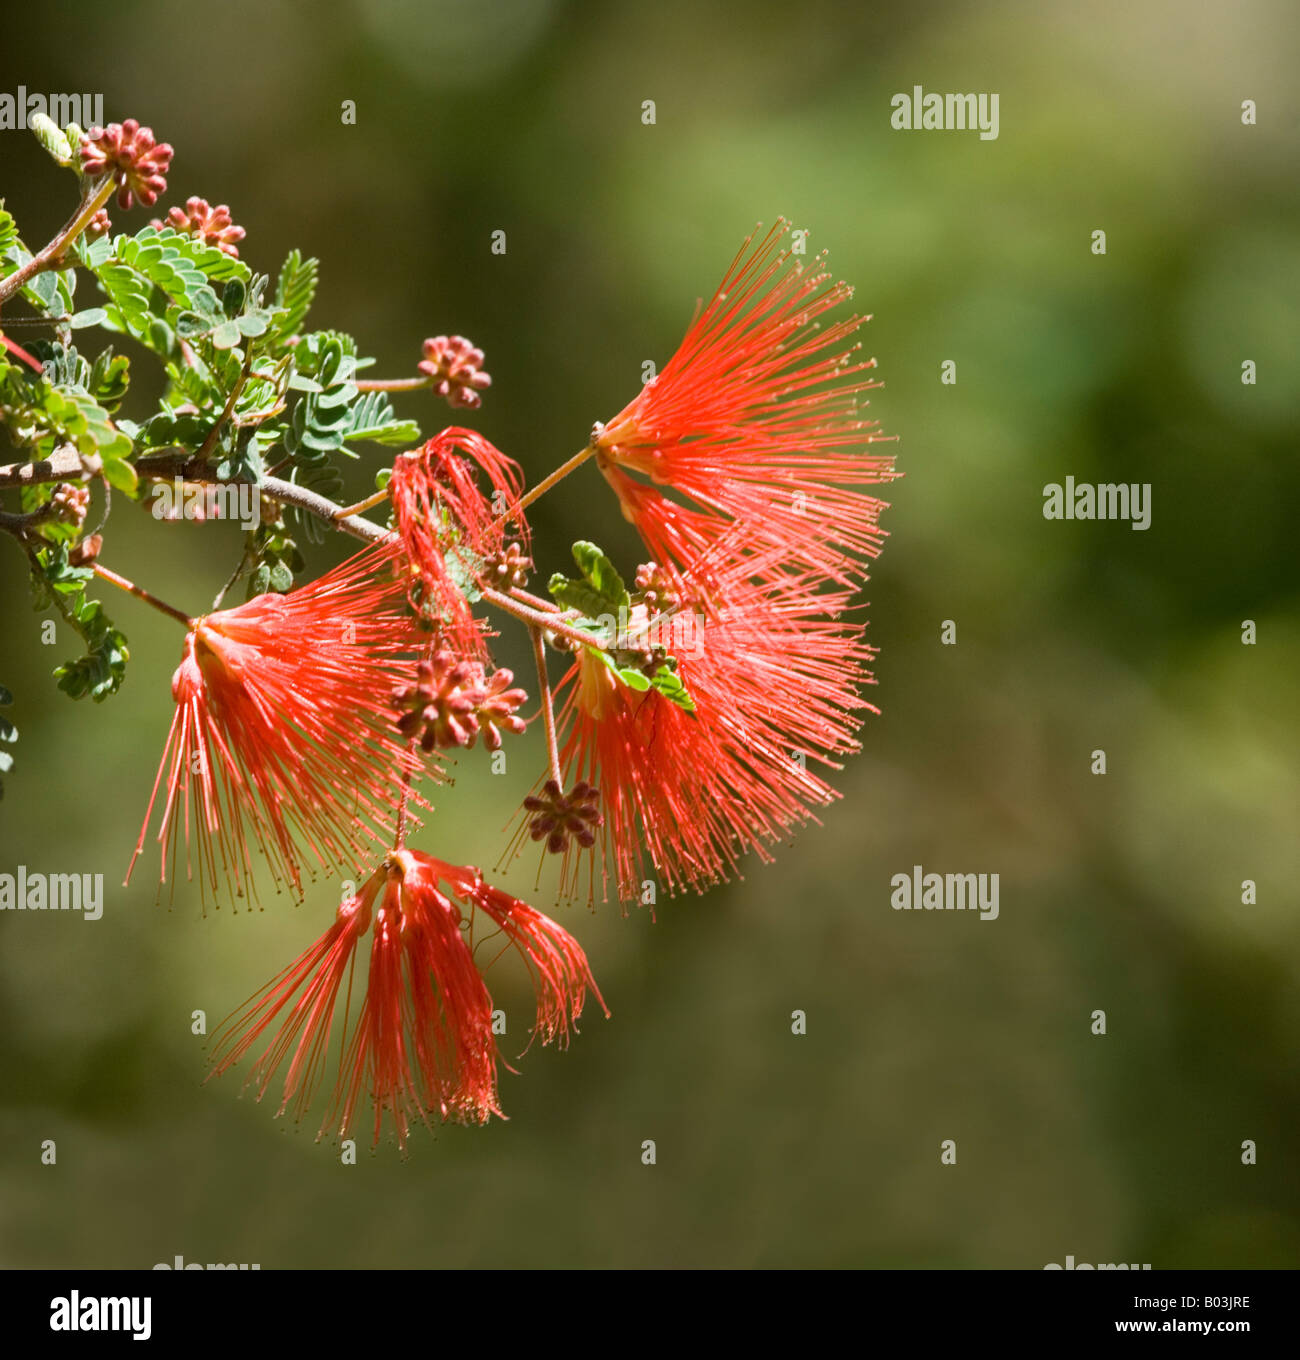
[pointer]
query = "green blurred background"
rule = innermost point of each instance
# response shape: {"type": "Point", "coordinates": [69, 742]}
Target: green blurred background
{"type": "Point", "coordinates": [1120, 892]}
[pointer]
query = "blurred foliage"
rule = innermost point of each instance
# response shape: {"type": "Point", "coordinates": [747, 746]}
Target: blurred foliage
{"type": "Point", "coordinates": [1120, 892]}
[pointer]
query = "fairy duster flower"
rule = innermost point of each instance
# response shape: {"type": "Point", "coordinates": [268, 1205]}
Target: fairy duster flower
{"type": "Point", "coordinates": [450, 503]}
{"type": "Point", "coordinates": [284, 738]}
{"type": "Point", "coordinates": [420, 1041]}
{"type": "Point", "coordinates": [755, 417]}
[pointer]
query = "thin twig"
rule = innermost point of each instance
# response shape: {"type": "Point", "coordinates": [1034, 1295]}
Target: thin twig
{"type": "Point", "coordinates": [536, 619]}
{"type": "Point", "coordinates": [205, 449]}
{"type": "Point", "coordinates": [245, 558]}
{"type": "Point", "coordinates": [51, 257]}
{"type": "Point", "coordinates": [289, 493]}
{"type": "Point", "coordinates": [549, 481]}
{"type": "Point", "coordinates": [141, 594]}
{"type": "Point", "coordinates": [391, 384]}
{"type": "Point", "coordinates": [18, 525]}
{"type": "Point", "coordinates": [65, 464]}
{"type": "Point", "coordinates": [362, 506]}
{"type": "Point", "coordinates": [548, 710]}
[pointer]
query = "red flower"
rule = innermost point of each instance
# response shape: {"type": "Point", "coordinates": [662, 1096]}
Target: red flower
{"type": "Point", "coordinates": [773, 672]}
{"type": "Point", "coordinates": [283, 733]}
{"type": "Point", "coordinates": [421, 1044]}
{"type": "Point", "coordinates": [450, 526]}
{"type": "Point", "coordinates": [755, 419]}
{"type": "Point", "coordinates": [210, 225]}
{"type": "Point", "coordinates": [129, 153]}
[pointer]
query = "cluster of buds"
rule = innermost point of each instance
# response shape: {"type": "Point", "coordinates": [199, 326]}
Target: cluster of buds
{"type": "Point", "coordinates": [655, 589]}
{"type": "Point", "coordinates": [70, 503]}
{"type": "Point", "coordinates": [98, 226]}
{"type": "Point", "coordinates": [507, 569]}
{"type": "Point", "coordinates": [210, 225]}
{"type": "Point", "coordinates": [637, 648]}
{"type": "Point", "coordinates": [452, 701]}
{"type": "Point", "coordinates": [129, 153]}
{"type": "Point", "coordinates": [454, 367]}
{"type": "Point", "coordinates": [559, 816]}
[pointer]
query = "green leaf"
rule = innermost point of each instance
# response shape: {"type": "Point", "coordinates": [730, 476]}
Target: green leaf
{"type": "Point", "coordinates": [294, 291]}
{"type": "Point", "coordinates": [600, 593]}
{"type": "Point", "coordinates": [92, 254]}
{"type": "Point", "coordinates": [64, 409]}
{"type": "Point", "coordinates": [63, 367]}
{"type": "Point", "coordinates": [92, 316]}
{"type": "Point", "coordinates": [177, 261]}
{"type": "Point", "coordinates": [633, 678]}
{"type": "Point", "coordinates": [45, 288]}
{"type": "Point", "coordinates": [577, 595]}
{"type": "Point", "coordinates": [668, 683]}
{"type": "Point", "coordinates": [183, 270]}
{"type": "Point", "coordinates": [254, 323]}
{"type": "Point", "coordinates": [601, 589]}
{"type": "Point", "coordinates": [277, 560]}
{"type": "Point", "coordinates": [190, 325]}
{"type": "Point", "coordinates": [127, 292]}
{"type": "Point", "coordinates": [109, 377]}
{"type": "Point", "coordinates": [83, 420]}
{"type": "Point", "coordinates": [600, 573]}
{"type": "Point", "coordinates": [51, 137]}
{"type": "Point", "coordinates": [8, 235]}
{"type": "Point", "coordinates": [665, 680]}
{"type": "Point", "coordinates": [50, 291]}
{"type": "Point", "coordinates": [226, 335]}
{"type": "Point", "coordinates": [233, 296]}
{"type": "Point", "coordinates": [242, 461]}
{"type": "Point", "coordinates": [372, 418]}
{"type": "Point", "coordinates": [100, 672]}
{"type": "Point", "coordinates": [121, 475]}
{"type": "Point", "coordinates": [323, 478]}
